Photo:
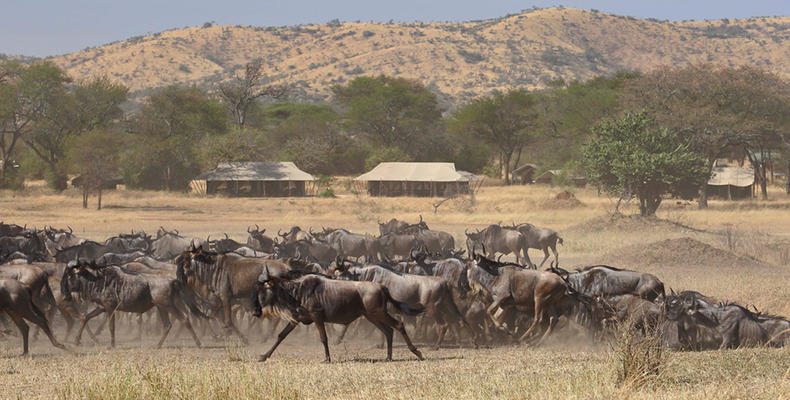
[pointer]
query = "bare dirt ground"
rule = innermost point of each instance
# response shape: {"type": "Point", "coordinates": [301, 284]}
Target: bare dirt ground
{"type": "Point", "coordinates": [734, 251]}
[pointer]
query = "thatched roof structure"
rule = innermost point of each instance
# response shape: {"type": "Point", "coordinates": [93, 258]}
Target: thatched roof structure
{"type": "Point", "coordinates": [256, 172]}
{"type": "Point", "coordinates": [413, 172]}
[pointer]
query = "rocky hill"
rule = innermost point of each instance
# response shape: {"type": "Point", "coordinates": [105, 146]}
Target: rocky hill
{"type": "Point", "coordinates": [458, 60]}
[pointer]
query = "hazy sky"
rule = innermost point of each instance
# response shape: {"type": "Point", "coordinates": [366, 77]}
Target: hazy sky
{"type": "Point", "coordinates": [43, 28]}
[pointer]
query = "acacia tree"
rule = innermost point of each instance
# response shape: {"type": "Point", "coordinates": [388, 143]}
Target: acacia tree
{"type": "Point", "coordinates": [96, 156]}
{"type": "Point", "coordinates": [89, 105]}
{"type": "Point", "coordinates": [502, 121]}
{"type": "Point", "coordinates": [633, 155]}
{"type": "Point", "coordinates": [391, 113]}
{"type": "Point", "coordinates": [25, 91]}
{"type": "Point", "coordinates": [241, 93]}
{"type": "Point", "coordinates": [717, 108]}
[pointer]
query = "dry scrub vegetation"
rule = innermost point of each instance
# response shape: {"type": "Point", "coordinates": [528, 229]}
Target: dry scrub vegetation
{"type": "Point", "coordinates": [735, 251]}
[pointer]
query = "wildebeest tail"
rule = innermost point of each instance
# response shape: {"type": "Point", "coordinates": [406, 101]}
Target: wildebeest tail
{"type": "Point", "coordinates": [402, 308]}
{"type": "Point", "coordinates": [189, 299]}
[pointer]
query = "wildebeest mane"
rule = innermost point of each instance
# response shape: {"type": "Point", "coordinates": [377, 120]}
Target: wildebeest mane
{"type": "Point", "coordinates": [589, 267]}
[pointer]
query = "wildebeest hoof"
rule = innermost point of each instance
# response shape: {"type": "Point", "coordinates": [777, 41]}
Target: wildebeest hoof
{"type": "Point", "coordinates": [326, 361]}
{"type": "Point", "coordinates": [420, 357]}
{"type": "Point", "coordinates": [263, 358]}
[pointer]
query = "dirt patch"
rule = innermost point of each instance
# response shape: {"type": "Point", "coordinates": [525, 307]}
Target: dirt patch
{"type": "Point", "coordinates": [564, 199]}
{"type": "Point", "coordinates": [681, 251]}
{"type": "Point", "coordinates": [629, 223]}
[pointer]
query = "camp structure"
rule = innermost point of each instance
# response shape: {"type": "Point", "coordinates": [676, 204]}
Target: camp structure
{"type": "Point", "coordinates": [525, 173]}
{"type": "Point", "coordinates": [255, 179]}
{"type": "Point", "coordinates": [548, 178]}
{"type": "Point", "coordinates": [423, 179]}
{"type": "Point", "coordinates": [729, 182]}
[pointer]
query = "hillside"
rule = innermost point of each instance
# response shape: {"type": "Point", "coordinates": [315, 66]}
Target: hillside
{"type": "Point", "coordinates": [458, 60]}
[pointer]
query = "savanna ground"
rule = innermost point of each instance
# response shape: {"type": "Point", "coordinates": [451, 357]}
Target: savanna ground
{"type": "Point", "coordinates": [734, 250]}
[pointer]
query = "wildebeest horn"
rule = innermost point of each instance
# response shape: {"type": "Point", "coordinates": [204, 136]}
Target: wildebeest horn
{"type": "Point", "coordinates": [499, 258]}
{"type": "Point", "coordinates": [466, 231]}
{"type": "Point", "coordinates": [420, 217]}
{"type": "Point", "coordinates": [257, 228]}
{"type": "Point", "coordinates": [248, 229]}
{"type": "Point", "coordinates": [192, 245]}
{"type": "Point", "coordinates": [177, 232]}
{"type": "Point", "coordinates": [226, 236]}
{"type": "Point", "coordinates": [310, 229]}
{"type": "Point", "coordinates": [70, 230]}
{"type": "Point", "coordinates": [208, 239]}
{"type": "Point", "coordinates": [279, 233]}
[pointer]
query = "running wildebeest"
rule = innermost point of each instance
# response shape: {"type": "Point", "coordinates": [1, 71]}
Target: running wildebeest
{"type": "Point", "coordinates": [169, 245]}
{"type": "Point", "coordinates": [546, 294]}
{"type": "Point", "coordinates": [315, 299]}
{"type": "Point", "coordinates": [541, 239]}
{"type": "Point", "coordinates": [431, 293]}
{"type": "Point", "coordinates": [604, 281]}
{"type": "Point", "coordinates": [393, 226]}
{"type": "Point", "coordinates": [496, 239]}
{"type": "Point", "coordinates": [17, 302]}
{"type": "Point", "coordinates": [114, 288]}
{"type": "Point", "coordinates": [223, 279]}
{"type": "Point", "coordinates": [392, 245]}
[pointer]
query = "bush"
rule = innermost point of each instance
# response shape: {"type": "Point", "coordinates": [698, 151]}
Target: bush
{"type": "Point", "coordinates": [639, 358]}
{"type": "Point", "coordinates": [328, 193]}
{"type": "Point", "coordinates": [385, 154]}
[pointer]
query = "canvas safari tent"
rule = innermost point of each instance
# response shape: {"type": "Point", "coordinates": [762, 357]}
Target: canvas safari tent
{"type": "Point", "coordinates": [731, 182]}
{"type": "Point", "coordinates": [423, 179]}
{"type": "Point", "coordinates": [255, 179]}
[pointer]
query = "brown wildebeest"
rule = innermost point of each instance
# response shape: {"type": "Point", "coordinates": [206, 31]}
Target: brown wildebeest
{"type": "Point", "coordinates": [604, 281]}
{"type": "Point", "coordinates": [223, 280]}
{"type": "Point", "coordinates": [645, 315]}
{"type": "Point", "coordinates": [393, 226]}
{"type": "Point", "coordinates": [35, 278]}
{"type": "Point", "coordinates": [258, 241]}
{"type": "Point", "coordinates": [496, 239]}
{"type": "Point", "coordinates": [432, 293]}
{"type": "Point", "coordinates": [316, 299]}
{"type": "Point", "coordinates": [541, 239]}
{"type": "Point", "coordinates": [17, 302]}
{"type": "Point", "coordinates": [543, 293]}
{"type": "Point", "coordinates": [115, 288]}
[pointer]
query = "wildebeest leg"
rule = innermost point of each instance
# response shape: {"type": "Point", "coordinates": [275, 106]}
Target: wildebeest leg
{"type": "Point", "coordinates": [185, 322]}
{"type": "Point", "coordinates": [398, 325]}
{"type": "Point", "coordinates": [343, 332]}
{"type": "Point", "coordinates": [545, 256]}
{"type": "Point", "coordinates": [84, 322]}
{"type": "Point", "coordinates": [537, 318]}
{"type": "Point", "coordinates": [229, 325]}
{"type": "Point", "coordinates": [387, 331]}
{"type": "Point", "coordinates": [288, 328]}
{"type": "Point", "coordinates": [497, 320]}
{"type": "Point", "coordinates": [556, 255]}
{"type": "Point", "coordinates": [166, 325]}
{"type": "Point", "coordinates": [140, 328]}
{"type": "Point", "coordinates": [322, 334]}
{"type": "Point", "coordinates": [38, 318]}
{"type": "Point", "coordinates": [23, 329]}
{"type": "Point", "coordinates": [112, 329]}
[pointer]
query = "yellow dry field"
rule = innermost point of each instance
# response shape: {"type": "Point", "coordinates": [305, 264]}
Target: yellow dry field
{"type": "Point", "coordinates": [734, 250]}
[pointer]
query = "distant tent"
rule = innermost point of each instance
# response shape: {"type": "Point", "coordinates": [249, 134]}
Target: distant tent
{"type": "Point", "coordinates": [424, 179]}
{"type": "Point", "coordinates": [525, 173]}
{"type": "Point", "coordinates": [256, 179]}
{"type": "Point", "coordinates": [548, 178]}
{"type": "Point", "coordinates": [731, 182]}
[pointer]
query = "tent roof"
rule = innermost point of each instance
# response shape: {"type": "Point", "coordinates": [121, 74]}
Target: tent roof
{"type": "Point", "coordinates": [414, 172]}
{"type": "Point", "coordinates": [256, 171]}
{"type": "Point", "coordinates": [733, 176]}
{"type": "Point", "coordinates": [524, 167]}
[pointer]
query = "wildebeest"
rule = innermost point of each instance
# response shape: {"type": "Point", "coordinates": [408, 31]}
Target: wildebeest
{"type": "Point", "coordinates": [393, 246]}
{"type": "Point", "coordinates": [296, 233]}
{"type": "Point", "coordinates": [543, 293]}
{"type": "Point", "coordinates": [17, 302]}
{"type": "Point", "coordinates": [114, 288]}
{"type": "Point", "coordinates": [393, 226]}
{"type": "Point", "coordinates": [169, 245]}
{"type": "Point", "coordinates": [541, 239]}
{"type": "Point", "coordinates": [87, 250]}
{"type": "Point", "coordinates": [604, 281]}
{"type": "Point", "coordinates": [128, 243]}
{"type": "Point", "coordinates": [347, 244]}
{"type": "Point", "coordinates": [258, 241]}
{"type": "Point", "coordinates": [496, 239]}
{"type": "Point", "coordinates": [11, 230]}
{"type": "Point", "coordinates": [223, 279]}
{"type": "Point", "coordinates": [434, 241]}
{"type": "Point", "coordinates": [223, 245]}
{"type": "Point", "coordinates": [119, 258]}
{"type": "Point", "coordinates": [316, 299]}
{"type": "Point", "coordinates": [432, 293]}
{"type": "Point", "coordinates": [31, 245]}
{"type": "Point", "coordinates": [646, 315]}
{"type": "Point", "coordinates": [35, 278]}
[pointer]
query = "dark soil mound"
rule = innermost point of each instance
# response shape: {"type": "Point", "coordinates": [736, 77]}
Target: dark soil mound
{"type": "Point", "coordinates": [564, 199]}
{"type": "Point", "coordinates": [681, 251]}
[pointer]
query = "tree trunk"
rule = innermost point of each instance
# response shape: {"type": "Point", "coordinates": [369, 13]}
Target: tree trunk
{"type": "Point", "coordinates": [98, 207]}
{"type": "Point", "coordinates": [84, 193]}
{"type": "Point", "coordinates": [507, 157]}
{"type": "Point", "coordinates": [518, 159]}
{"type": "Point", "coordinates": [703, 189]}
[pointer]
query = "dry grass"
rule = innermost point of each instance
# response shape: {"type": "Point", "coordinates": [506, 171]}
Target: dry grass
{"type": "Point", "coordinates": [745, 264]}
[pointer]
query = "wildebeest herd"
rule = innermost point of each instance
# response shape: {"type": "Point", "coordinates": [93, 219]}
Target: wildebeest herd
{"type": "Point", "coordinates": [334, 276]}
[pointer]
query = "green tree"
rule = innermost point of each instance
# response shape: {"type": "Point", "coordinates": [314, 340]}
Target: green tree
{"type": "Point", "coordinates": [167, 130]}
{"type": "Point", "coordinates": [393, 113]}
{"type": "Point", "coordinates": [25, 92]}
{"type": "Point", "coordinates": [633, 156]}
{"type": "Point", "coordinates": [717, 108]}
{"type": "Point", "coordinates": [503, 121]}
{"type": "Point", "coordinates": [96, 156]}
{"type": "Point", "coordinates": [89, 105]}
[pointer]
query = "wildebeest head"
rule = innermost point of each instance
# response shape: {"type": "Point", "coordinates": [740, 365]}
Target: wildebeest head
{"type": "Point", "coordinates": [75, 271]}
{"type": "Point", "coordinates": [186, 262]}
